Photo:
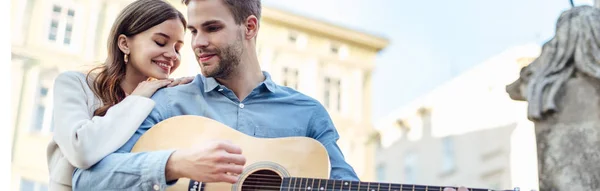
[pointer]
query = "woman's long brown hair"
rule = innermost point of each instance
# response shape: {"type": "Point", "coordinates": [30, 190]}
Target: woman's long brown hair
{"type": "Point", "coordinates": [137, 17]}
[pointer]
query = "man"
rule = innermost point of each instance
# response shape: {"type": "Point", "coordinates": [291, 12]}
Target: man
{"type": "Point", "coordinates": [232, 90]}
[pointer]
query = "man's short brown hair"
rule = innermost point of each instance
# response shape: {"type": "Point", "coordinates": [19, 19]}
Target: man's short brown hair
{"type": "Point", "coordinates": [240, 9]}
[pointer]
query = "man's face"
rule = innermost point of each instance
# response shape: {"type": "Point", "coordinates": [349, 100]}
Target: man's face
{"type": "Point", "coordinates": [217, 40]}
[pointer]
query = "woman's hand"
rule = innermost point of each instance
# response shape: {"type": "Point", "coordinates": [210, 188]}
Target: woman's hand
{"type": "Point", "coordinates": [147, 88]}
{"type": "Point", "coordinates": [180, 81]}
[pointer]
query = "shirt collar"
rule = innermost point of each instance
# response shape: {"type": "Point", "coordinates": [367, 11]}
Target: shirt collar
{"type": "Point", "coordinates": [211, 83]}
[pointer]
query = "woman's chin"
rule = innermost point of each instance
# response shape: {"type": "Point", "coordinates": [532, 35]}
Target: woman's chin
{"type": "Point", "coordinates": [160, 76]}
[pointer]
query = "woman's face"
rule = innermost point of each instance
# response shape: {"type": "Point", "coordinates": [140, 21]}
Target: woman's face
{"type": "Point", "coordinates": [154, 53]}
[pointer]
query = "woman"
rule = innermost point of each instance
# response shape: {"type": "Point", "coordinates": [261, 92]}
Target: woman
{"type": "Point", "coordinates": [96, 113]}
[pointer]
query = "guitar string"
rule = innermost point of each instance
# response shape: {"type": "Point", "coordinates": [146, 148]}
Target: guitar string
{"type": "Point", "coordinates": [351, 188]}
{"type": "Point", "coordinates": [277, 185]}
{"type": "Point", "coordinates": [254, 179]}
{"type": "Point", "coordinates": [353, 182]}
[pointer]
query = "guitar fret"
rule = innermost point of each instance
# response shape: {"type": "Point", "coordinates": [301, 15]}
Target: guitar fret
{"type": "Point", "coordinates": [321, 187]}
{"type": "Point", "coordinates": [294, 187]}
{"type": "Point", "coordinates": [350, 185]}
{"type": "Point", "coordinates": [284, 183]}
{"type": "Point", "coordinates": [333, 187]}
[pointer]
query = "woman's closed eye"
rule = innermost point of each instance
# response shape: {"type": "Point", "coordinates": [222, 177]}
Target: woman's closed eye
{"type": "Point", "coordinates": [159, 44]}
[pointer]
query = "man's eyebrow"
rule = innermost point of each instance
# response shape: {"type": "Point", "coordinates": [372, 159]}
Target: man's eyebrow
{"type": "Point", "coordinates": [210, 22]}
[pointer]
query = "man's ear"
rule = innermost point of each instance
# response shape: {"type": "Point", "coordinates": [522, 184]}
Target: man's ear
{"type": "Point", "coordinates": [251, 27]}
{"type": "Point", "coordinates": [123, 43]}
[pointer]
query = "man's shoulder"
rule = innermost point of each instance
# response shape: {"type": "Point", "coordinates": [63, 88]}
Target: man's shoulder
{"type": "Point", "coordinates": [194, 87]}
{"type": "Point", "coordinates": [298, 98]}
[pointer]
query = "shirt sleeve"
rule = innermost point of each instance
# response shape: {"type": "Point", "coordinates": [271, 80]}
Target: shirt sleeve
{"type": "Point", "coordinates": [123, 170]}
{"type": "Point", "coordinates": [83, 137]}
{"type": "Point", "coordinates": [322, 129]}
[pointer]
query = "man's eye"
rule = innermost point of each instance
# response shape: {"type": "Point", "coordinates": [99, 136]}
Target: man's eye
{"type": "Point", "coordinates": [212, 28]}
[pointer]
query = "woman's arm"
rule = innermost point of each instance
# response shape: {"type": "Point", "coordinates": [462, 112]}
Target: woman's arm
{"type": "Point", "coordinates": [85, 139]}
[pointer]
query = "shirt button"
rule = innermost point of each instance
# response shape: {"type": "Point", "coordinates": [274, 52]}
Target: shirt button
{"type": "Point", "coordinates": [242, 105]}
{"type": "Point", "coordinates": [220, 89]}
{"type": "Point", "coordinates": [156, 187]}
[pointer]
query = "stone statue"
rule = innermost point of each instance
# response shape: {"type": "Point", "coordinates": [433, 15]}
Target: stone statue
{"type": "Point", "coordinates": [562, 88]}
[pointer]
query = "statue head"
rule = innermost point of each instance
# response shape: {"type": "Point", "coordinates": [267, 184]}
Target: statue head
{"type": "Point", "coordinates": [575, 47]}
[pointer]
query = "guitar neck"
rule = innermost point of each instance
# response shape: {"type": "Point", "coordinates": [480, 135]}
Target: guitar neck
{"type": "Point", "coordinates": [297, 183]}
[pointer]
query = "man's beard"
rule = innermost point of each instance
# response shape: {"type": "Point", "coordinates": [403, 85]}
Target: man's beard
{"type": "Point", "coordinates": [229, 59]}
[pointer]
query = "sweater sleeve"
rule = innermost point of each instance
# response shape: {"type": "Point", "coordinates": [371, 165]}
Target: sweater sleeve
{"type": "Point", "coordinates": [85, 139]}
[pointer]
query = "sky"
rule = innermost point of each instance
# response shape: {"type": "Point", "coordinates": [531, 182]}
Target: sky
{"type": "Point", "coordinates": [432, 42]}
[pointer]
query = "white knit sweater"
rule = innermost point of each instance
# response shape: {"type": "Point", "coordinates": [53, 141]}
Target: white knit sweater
{"type": "Point", "coordinates": [81, 139]}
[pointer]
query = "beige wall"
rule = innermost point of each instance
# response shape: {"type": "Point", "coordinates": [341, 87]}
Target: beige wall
{"type": "Point", "coordinates": [36, 61]}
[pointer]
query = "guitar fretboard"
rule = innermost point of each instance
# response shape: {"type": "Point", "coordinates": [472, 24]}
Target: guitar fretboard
{"type": "Point", "coordinates": [306, 184]}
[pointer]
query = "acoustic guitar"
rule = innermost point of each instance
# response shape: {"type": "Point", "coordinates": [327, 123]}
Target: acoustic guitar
{"type": "Point", "coordinates": [289, 163]}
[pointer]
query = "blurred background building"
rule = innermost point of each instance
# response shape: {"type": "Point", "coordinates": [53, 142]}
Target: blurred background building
{"type": "Point", "coordinates": [333, 64]}
{"type": "Point", "coordinates": [466, 132]}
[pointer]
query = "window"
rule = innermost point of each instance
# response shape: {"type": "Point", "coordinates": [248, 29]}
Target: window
{"type": "Point", "coordinates": [293, 37]}
{"type": "Point", "coordinates": [297, 39]}
{"type": "Point", "coordinates": [339, 50]}
{"type": "Point", "coordinates": [40, 108]}
{"type": "Point", "coordinates": [334, 48]}
{"type": "Point", "coordinates": [54, 23]}
{"type": "Point", "coordinates": [69, 27]}
{"type": "Point", "coordinates": [39, 117]}
{"type": "Point", "coordinates": [332, 94]}
{"type": "Point", "coordinates": [61, 25]}
{"type": "Point", "coordinates": [41, 114]}
{"type": "Point", "coordinates": [28, 185]}
{"type": "Point", "coordinates": [381, 172]}
{"type": "Point", "coordinates": [290, 77]}
{"type": "Point", "coordinates": [410, 168]}
{"type": "Point", "coordinates": [448, 163]}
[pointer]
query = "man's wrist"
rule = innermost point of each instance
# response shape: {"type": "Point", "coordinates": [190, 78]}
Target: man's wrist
{"type": "Point", "coordinates": [172, 170]}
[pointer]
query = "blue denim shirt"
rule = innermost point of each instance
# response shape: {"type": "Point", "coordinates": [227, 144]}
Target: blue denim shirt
{"type": "Point", "coordinates": [269, 111]}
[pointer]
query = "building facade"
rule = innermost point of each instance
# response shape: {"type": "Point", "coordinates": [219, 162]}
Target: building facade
{"type": "Point", "coordinates": [330, 63]}
{"type": "Point", "coordinates": [468, 132]}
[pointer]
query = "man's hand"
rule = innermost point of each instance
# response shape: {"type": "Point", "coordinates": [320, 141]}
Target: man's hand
{"type": "Point", "coordinates": [218, 161]}
{"type": "Point", "coordinates": [459, 189]}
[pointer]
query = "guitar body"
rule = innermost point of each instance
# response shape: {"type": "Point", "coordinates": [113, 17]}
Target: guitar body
{"type": "Point", "coordinates": [268, 160]}
{"type": "Point", "coordinates": [272, 164]}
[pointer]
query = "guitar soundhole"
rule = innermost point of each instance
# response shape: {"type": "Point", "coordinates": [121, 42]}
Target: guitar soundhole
{"type": "Point", "coordinates": [262, 180]}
